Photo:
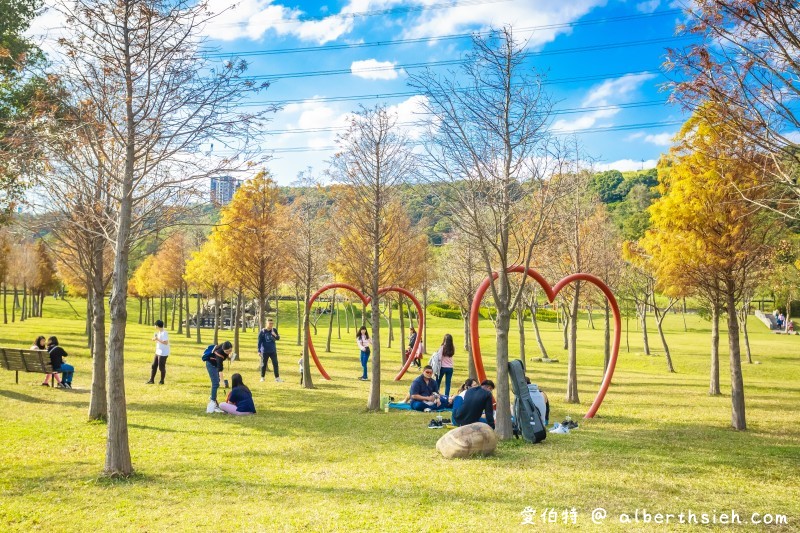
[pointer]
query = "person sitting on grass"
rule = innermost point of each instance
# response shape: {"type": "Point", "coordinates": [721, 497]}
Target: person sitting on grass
{"type": "Point", "coordinates": [540, 399]}
{"type": "Point", "coordinates": [57, 355]}
{"type": "Point", "coordinates": [458, 399]}
{"type": "Point", "coordinates": [425, 392]}
{"type": "Point", "coordinates": [477, 400]}
{"type": "Point", "coordinates": [240, 399]}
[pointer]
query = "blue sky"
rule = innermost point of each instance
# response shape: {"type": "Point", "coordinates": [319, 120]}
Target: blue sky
{"type": "Point", "coordinates": [602, 59]}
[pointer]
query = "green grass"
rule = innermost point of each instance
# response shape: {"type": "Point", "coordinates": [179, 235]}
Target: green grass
{"type": "Point", "coordinates": [314, 460]}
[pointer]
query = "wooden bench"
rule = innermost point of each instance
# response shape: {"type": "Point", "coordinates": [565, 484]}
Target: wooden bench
{"type": "Point", "coordinates": [25, 361]}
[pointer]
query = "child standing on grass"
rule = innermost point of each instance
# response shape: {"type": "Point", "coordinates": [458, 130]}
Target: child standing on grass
{"type": "Point", "coordinates": [162, 352]}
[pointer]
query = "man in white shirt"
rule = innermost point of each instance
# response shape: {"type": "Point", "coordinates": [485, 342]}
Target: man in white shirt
{"type": "Point", "coordinates": [161, 337]}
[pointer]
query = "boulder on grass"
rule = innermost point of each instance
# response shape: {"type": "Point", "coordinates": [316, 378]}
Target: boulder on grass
{"type": "Point", "coordinates": [466, 441]}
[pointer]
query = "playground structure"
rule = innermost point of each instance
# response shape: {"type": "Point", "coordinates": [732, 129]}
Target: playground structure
{"type": "Point", "coordinates": [551, 292]}
{"type": "Point", "coordinates": [366, 301]}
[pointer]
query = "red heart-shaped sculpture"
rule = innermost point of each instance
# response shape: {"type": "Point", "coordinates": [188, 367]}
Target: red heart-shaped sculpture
{"type": "Point", "coordinates": [551, 293]}
{"type": "Point", "coordinates": [366, 300]}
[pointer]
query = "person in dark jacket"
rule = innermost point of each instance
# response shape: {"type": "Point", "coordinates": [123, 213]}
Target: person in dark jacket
{"type": "Point", "coordinates": [57, 355]}
{"type": "Point", "coordinates": [240, 399]}
{"type": "Point", "coordinates": [477, 400]}
{"type": "Point", "coordinates": [214, 362]}
{"type": "Point", "coordinates": [268, 349]}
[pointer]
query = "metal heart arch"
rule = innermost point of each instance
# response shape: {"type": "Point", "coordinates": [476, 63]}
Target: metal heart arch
{"type": "Point", "coordinates": [366, 300]}
{"type": "Point", "coordinates": [551, 293]}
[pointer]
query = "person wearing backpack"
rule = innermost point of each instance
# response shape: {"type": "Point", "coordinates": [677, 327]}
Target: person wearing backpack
{"type": "Point", "coordinates": [215, 357]}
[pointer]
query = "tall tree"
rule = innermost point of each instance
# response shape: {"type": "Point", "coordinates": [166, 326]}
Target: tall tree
{"type": "Point", "coordinates": [139, 63]}
{"type": "Point", "coordinates": [487, 141]}
{"type": "Point", "coordinates": [374, 158]}
{"type": "Point", "coordinates": [704, 233]}
{"type": "Point", "coordinates": [747, 64]}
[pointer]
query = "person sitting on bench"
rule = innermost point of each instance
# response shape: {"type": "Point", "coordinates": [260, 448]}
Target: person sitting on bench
{"type": "Point", "coordinates": [38, 344]}
{"type": "Point", "coordinates": [477, 400]}
{"type": "Point", "coordinates": [57, 355]}
{"type": "Point", "coordinates": [425, 392]}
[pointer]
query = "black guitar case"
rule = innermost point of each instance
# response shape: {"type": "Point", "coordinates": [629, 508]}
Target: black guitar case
{"type": "Point", "coordinates": [526, 414]}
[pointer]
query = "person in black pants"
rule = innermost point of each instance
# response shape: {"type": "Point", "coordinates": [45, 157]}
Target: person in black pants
{"type": "Point", "coordinates": [268, 349]}
{"type": "Point", "coordinates": [477, 400]}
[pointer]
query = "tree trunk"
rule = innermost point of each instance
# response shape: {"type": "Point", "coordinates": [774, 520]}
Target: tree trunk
{"type": "Point", "coordinates": [565, 325]}
{"type": "Point", "coordinates": [374, 400]}
{"type": "Point", "coordinates": [88, 323]}
{"type": "Point", "coordinates": [425, 319]}
{"type": "Point", "coordinates": [743, 321]}
{"type": "Point", "coordinates": [217, 315]}
{"type": "Point", "coordinates": [5, 303]}
{"type": "Point", "coordinates": [389, 322]}
{"type": "Point", "coordinates": [685, 326]}
{"type": "Point", "coordinates": [24, 311]}
{"type": "Point", "coordinates": [236, 317]}
{"type": "Point", "coordinates": [347, 310]}
{"type": "Point", "coordinates": [41, 304]}
{"type": "Point", "coordinates": [502, 326]}
{"type": "Point", "coordinates": [98, 401]}
{"type": "Point", "coordinates": [197, 320]}
{"type": "Point", "coordinates": [590, 319]}
{"type": "Point", "coordinates": [403, 357]}
{"type": "Point", "coordinates": [645, 339]}
{"type": "Point", "coordinates": [338, 322]}
{"type": "Point", "coordinates": [188, 312]}
{"type": "Point", "coordinates": [307, 382]}
{"type": "Point", "coordinates": [299, 318]}
{"type": "Point", "coordinates": [535, 322]}
{"type": "Point", "coordinates": [521, 327]}
{"type": "Point", "coordinates": [737, 385]}
{"type": "Point", "coordinates": [714, 387]}
{"type": "Point", "coordinates": [472, 372]}
{"type": "Point", "coordinates": [330, 323]}
{"type": "Point", "coordinates": [572, 366]}
{"type": "Point", "coordinates": [659, 324]}
{"type": "Point", "coordinates": [277, 310]}
{"type": "Point", "coordinates": [172, 321]}
{"type": "Point", "coordinates": [606, 336]}
{"type": "Point", "coordinates": [14, 304]}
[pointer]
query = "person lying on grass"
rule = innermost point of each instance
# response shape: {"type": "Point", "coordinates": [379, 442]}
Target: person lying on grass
{"type": "Point", "coordinates": [240, 399]}
{"type": "Point", "coordinates": [425, 392]}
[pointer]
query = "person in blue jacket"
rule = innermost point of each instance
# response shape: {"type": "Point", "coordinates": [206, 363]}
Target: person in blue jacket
{"type": "Point", "coordinates": [268, 349]}
{"type": "Point", "coordinates": [240, 399]}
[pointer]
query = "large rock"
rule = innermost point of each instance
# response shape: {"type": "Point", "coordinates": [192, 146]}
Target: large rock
{"type": "Point", "coordinates": [465, 441]}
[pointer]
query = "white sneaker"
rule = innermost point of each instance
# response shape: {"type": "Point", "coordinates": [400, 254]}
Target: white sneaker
{"type": "Point", "coordinates": [278, 380]}
{"type": "Point", "coordinates": [262, 380]}
{"type": "Point", "coordinates": [218, 410]}
{"type": "Point", "coordinates": [211, 406]}
{"type": "Point", "coordinates": [558, 428]}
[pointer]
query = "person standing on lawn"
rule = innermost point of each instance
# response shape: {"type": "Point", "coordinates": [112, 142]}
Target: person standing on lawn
{"type": "Point", "coordinates": [268, 349]}
{"type": "Point", "coordinates": [161, 337]}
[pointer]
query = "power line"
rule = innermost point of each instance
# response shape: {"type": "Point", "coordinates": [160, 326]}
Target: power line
{"type": "Point", "coordinates": [404, 94]}
{"type": "Point", "coordinates": [447, 62]}
{"type": "Point", "coordinates": [565, 111]}
{"type": "Point", "coordinates": [605, 129]}
{"type": "Point", "coordinates": [389, 42]}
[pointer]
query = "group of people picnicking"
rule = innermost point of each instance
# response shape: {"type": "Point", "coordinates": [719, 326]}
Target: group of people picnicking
{"type": "Point", "coordinates": [57, 355]}
{"type": "Point", "coordinates": [472, 403]}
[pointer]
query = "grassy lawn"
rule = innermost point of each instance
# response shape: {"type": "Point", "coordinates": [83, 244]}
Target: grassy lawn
{"type": "Point", "coordinates": [314, 460]}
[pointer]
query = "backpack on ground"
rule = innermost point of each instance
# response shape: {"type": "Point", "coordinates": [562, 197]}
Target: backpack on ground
{"type": "Point", "coordinates": [526, 415]}
{"type": "Point", "coordinates": [207, 353]}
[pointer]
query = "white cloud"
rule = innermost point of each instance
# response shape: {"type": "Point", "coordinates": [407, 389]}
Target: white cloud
{"type": "Point", "coordinates": [624, 165]}
{"type": "Point", "coordinates": [409, 115]}
{"type": "Point", "coordinates": [521, 14]}
{"type": "Point", "coordinates": [606, 95]}
{"type": "Point", "coordinates": [648, 7]}
{"type": "Point", "coordinates": [792, 136]}
{"type": "Point", "coordinates": [254, 18]}
{"type": "Point", "coordinates": [372, 69]}
{"type": "Point", "coordinates": [659, 139]}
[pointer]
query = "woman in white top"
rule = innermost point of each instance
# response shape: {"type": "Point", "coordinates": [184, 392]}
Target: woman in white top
{"type": "Point", "coordinates": [162, 352]}
{"type": "Point", "coordinates": [364, 343]}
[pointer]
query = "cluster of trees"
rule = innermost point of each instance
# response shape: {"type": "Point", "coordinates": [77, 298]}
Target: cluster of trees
{"type": "Point", "coordinates": [117, 135]}
{"type": "Point", "coordinates": [28, 273]}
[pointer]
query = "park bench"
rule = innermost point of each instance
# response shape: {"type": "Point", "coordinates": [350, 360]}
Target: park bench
{"type": "Point", "coordinates": [25, 361]}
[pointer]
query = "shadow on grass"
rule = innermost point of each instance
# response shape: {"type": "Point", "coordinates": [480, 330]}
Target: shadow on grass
{"type": "Point", "coordinates": [33, 399]}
